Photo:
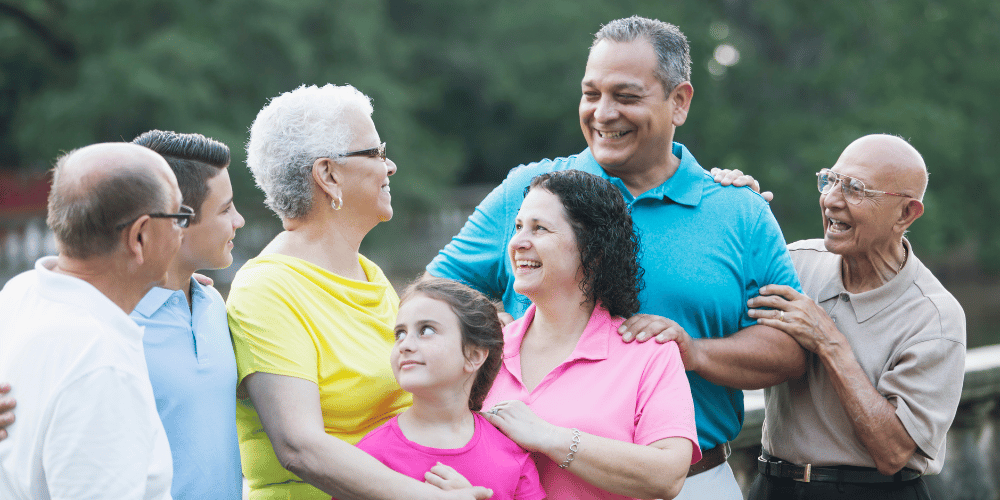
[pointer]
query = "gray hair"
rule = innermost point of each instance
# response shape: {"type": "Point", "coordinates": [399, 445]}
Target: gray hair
{"type": "Point", "coordinates": [673, 54]}
{"type": "Point", "coordinates": [84, 219]}
{"type": "Point", "coordinates": [293, 131]}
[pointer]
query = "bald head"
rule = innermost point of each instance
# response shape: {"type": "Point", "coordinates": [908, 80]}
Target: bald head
{"type": "Point", "coordinates": [98, 187]}
{"type": "Point", "coordinates": [891, 162]}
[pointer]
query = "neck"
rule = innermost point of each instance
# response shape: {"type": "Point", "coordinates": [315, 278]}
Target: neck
{"type": "Point", "coordinates": [179, 278]}
{"type": "Point", "coordinates": [331, 242]}
{"type": "Point", "coordinates": [639, 182]}
{"type": "Point", "coordinates": [439, 421]}
{"type": "Point", "coordinates": [109, 276]}
{"type": "Point", "coordinates": [873, 269]}
{"type": "Point", "coordinates": [561, 318]}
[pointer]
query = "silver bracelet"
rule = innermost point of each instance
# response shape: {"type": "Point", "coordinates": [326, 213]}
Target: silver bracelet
{"type": "Point", "coordinates": [573, 448]}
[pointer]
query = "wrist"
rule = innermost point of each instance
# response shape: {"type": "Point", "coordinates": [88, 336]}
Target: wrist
{"type": "Point", "coordinates": [558, 443]}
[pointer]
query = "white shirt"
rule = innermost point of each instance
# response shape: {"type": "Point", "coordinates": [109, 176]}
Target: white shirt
{"type": "Point", "coordinates": [86, 426]}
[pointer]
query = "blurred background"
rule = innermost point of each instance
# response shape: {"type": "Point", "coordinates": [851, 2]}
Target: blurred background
{"type": "Point", "coordinates": [464, 90]}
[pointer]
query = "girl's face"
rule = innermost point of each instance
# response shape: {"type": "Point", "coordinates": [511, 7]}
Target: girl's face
{"type": "Point", "coordinates": [428, 357]}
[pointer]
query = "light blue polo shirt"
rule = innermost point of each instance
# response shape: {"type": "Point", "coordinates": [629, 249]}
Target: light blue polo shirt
{"type": "Point", "coordinates": [706, 249]}
{"type": "Point", "coordinates": [193, 371]}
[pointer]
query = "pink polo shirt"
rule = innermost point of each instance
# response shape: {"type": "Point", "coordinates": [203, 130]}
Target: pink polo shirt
{"type": "Point", "coordinates": [636, 393]}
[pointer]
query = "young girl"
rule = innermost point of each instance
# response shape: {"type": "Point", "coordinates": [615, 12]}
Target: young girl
{"type": "Point", "coordinates": [448, 350]}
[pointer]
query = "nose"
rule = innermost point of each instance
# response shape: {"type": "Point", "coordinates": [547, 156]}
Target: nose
{"type": "Point", "coordinates": [407, 344]}
{"type": "Point", "coordinates": [834, 196]}
{"type": "Point", "coordinates": [238, 220]}
{"type": "Point", "coordinates": [390, 166]}
{"type": "Point", "coordinates": [606, 109]}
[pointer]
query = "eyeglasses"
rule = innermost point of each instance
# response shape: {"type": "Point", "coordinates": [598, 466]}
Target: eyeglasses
{"type": "Point", "coordinates": [376, 152]}
{"type": "Point", "coordinates": [854, 189]}
{"type": "Point", "coordinates": [182, 219]}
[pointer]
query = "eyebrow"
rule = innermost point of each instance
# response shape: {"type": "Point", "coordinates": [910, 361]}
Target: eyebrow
{"type": "Point", "coordinates": [635, 87]}
{"type": "Point", "coordinates": [230, 200]}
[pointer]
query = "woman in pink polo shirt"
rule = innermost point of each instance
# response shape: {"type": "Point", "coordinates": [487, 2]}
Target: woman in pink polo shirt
{"type": "Point", "coordinates": [604, 419]}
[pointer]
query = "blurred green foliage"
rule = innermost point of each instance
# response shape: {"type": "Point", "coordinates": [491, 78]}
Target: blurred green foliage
{"type": "Point", "coordinates": [466, 89]}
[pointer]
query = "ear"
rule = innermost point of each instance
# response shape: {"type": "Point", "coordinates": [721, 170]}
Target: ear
{"type": "Point", "coordinates": [681, 97]}
{"type": "Point", "coordinates": [137, 240]}
{"type": "Point", "coordinates": [474, 358]}
{"type": "Point", "coordinates": [911, 211]}
{"type": "Point", "coordinates": [326, 175]}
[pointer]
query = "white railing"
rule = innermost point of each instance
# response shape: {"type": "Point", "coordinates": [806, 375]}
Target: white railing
{"type": "Point", "coordinates": [972, 463]}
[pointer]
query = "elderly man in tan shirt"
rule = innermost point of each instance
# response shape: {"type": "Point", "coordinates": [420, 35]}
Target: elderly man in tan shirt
{"type": "Point", "coordinates": [886, 342]}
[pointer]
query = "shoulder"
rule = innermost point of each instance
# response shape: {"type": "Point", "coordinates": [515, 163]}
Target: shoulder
{"type": "Point", "coordinates": [522, 174]}
{"type": "Point", "coordinates": [811, 256]}
{"type": "Point", "coordinates": [497, 439]}
{"type": "Point", "coordinates": [375, 439]}
{"type": "Point", "coordinates": [948, 312]}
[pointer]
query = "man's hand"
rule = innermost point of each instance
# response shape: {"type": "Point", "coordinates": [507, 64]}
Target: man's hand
{"type": "Point", "coordinates": [7, 405]}
{"type": "Point", "coordinates": [797, 315]}
{"type": "Point", "coordinates": [642, 327]}
{"type": "Point", "coordinates": [737, 178]}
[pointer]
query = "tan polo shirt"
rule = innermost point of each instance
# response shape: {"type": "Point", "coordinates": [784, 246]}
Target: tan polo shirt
{"type": "Point", "coordinates": [909, 337]}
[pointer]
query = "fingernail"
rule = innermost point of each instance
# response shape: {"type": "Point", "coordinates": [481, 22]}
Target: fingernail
{"type": "Point", "coordinates": [622, 329]}
{"type": "Point", "coordinates": [661, 339]}
{"type": "Point", "coordinates": [627, 337]}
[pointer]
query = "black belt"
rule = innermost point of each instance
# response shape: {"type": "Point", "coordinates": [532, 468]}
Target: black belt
{"type": "Point", "coordinates": [775, 467]}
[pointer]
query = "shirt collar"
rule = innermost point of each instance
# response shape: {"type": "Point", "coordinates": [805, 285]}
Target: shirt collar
{"type": "Point", "coordinates": [685, 187]}
{"type": "Point", "coordinates": [593, 343]}
{"type": "Point", "coordinates": [157, 298]}
{"type": "Point", "coordinates": [869, 303]}
{"type": "Point", "coordinates": [71, 290]}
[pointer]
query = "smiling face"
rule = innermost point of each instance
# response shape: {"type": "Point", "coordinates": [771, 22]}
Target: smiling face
{"type": "Point", "coordinates": [856, 230]}
{"type": "Point", "coordinates": [208, 243]}
{"type": "Point", "coordinates": [543, 250]}
{"type": "Point", "coordinates": [428, 357]}
{"type": "Point", "coordinates": [365, 180]}
{"type": "Point", "coordinates": [626, 116]}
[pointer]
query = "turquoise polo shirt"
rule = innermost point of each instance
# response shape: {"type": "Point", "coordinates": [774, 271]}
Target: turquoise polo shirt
{"type": "Point", "coordinates": [706, 249]}
{"type": "Point", "coordinates": [192, 367]}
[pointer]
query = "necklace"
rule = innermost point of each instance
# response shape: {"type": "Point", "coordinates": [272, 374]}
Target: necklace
{"type": "Point", "coordinates": [901, 264]}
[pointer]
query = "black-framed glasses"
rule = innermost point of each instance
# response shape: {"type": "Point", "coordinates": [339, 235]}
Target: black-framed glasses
{"type": "Point", "coordinates": [376, 152]}
{"type": "Point", "coordinates": [854, 189]}
{"type": "Point", "coordinates": [182, 218]}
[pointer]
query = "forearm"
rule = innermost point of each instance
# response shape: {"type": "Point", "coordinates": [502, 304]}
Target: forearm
{"type": "Point", "coordinates": [627, 469]}
{"type": "Point", "coordinates": [873, 418]}
{"type": "Point", "coordinates": [347, 473]}
{"type": "Point", "coordinates": [753, 358]}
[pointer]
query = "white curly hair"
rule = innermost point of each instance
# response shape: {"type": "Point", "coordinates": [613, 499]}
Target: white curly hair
{"type": "Point", "coordinates": [291, 132]}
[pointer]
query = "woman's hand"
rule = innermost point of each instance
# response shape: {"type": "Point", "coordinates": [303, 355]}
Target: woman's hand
{"type": "Point", "coordinates": [522, 426]}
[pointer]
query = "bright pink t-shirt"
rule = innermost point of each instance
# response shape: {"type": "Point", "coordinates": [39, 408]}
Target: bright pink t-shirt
{"type": "Point", "coordinates": [637, 393]}
{"type": "Point", "coordinates": [489, 459]}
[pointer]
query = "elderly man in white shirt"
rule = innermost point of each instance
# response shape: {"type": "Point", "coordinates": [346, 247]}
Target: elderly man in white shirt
{"type": "Point", "coordinates": [87, 425]}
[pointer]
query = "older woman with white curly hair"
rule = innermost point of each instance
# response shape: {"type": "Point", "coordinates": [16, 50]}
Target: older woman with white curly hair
{"type": "Point", "coordinates": [311, 318]}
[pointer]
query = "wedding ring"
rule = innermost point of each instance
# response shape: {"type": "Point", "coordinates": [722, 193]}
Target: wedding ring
{"type": "Point", "coordinates": [781, 316]}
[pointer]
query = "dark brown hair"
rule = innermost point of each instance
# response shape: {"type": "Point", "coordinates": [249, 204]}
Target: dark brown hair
{"type": "Point", "coordinates": [194, 159]}
{"type": "Point", "coordinates": [478, 321]}
{"type": "Point", "coordinates": [602, 224]}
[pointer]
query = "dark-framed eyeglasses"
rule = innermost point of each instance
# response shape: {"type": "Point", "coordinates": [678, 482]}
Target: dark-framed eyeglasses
{"type": "Point", "coordinates": [376, 152]}
{"type": "Point", "coordinates": [182, 218]}
{"type": "Point", "coordinates": [854, 189]}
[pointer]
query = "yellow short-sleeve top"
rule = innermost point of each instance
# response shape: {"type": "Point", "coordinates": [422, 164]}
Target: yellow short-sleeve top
{"type": "Point", "coordinates": [290, 317]}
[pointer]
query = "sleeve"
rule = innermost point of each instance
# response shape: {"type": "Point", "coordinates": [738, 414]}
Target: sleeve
{"type": "Point", "coordinates": [105, 441]}
{"type": "Point", "coordinates": [925, 386]}
{"type": "Point", "coordinates": [529, 486]}
{"type": "Point", "coordinates": [268, 327]}
{"type": "Point", "coordinates": [768, 262]}
{"type": "Point", "coordinates": [476, 255]}
{"type": "Point", "coordinates": [664, 405]}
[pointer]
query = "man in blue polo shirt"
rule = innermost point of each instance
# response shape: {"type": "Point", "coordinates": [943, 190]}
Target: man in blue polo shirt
{"type": "Point", "coordinates": [187, 345]}
{"type": "Point", "coordinates": [706, 249]}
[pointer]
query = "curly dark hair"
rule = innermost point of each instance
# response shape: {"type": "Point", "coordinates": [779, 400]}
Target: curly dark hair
{"type": "Point", "coordinates": [480, 326]}
{"type": "Point", "coordinates": [602, 224]}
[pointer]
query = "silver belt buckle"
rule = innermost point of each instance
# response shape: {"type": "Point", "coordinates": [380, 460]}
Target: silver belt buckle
{"type": "Point", "coordinates": [806, 475]}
